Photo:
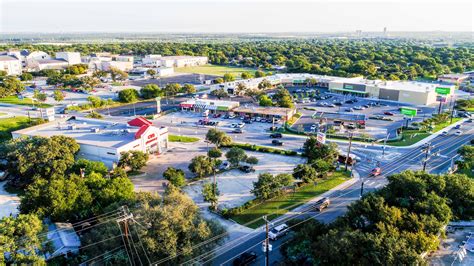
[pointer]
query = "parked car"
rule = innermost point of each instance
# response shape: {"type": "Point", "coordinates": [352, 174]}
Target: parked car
{"type": "Point", "coordinates": [445, 133]}
{"type": "Point", "coordinates": [322, 204]}
{"type": "Point", "coordinates": [224, 166]}
{"type": "Point", "coordinates": [358, 107]}
{"type": "Point", "coordinates": [277, 142]}
{"type": "Point", "coordinates": [278, 231]}
{"type": "Point", "coordinates": [366, 106]}
{"type": "Point", "coordinates": [240, 125]}
{"type": "Point", "coordinates": [350, 110]}
{"type": "Point", "coordinates": [258, 119]}
{"type": "Point", "coordinates": [388, 113]}
{"type": "Point", "coordinates": [231, 116]}
{"type": "Point", "coordinates": [248, 121]}
{"type": "Point", "coordinates": [233, 125]}
{"type": "Point", "coordinates": [276, 135]}
{"type": "Point", "coordinates": [338, 103]}
{"type": "Point", "coordinates": [238, 130]}
{"type": "Point", "coordinates": [245, 259]}
{"type": "Point", "coordinates": [246, 168]}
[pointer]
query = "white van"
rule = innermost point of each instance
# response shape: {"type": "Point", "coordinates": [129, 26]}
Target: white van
{"type": "Point", "coordinates": [278, 231]}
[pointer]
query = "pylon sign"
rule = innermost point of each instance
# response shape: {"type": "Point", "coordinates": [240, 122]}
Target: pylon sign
{"type": "Point", "coordinates": [158, 105]}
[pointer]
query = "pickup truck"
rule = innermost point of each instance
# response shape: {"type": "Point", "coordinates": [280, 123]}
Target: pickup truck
{"type": "Point", "coordinates": [322, 204]}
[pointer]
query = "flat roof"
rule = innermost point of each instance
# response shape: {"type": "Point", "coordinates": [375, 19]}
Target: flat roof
{"type": "Point", "coordinates": [8, 58]}
{"type": "Point", "coordinates": [264, 110]}
{"type": "Point", "coordinates": [412, 86]}
{"type": "Point", "coordinates": [211, 102]}
{"type": "Point", "coordinates": [110, 135]}
{"type": "Point", "coordinates": [174, 57]}
{"type": "Point", "coordinates": [339, 116]}
{"type": "Point", "coordinates": [51, 61]}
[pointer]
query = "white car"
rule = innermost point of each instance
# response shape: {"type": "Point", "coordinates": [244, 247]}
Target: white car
{"type": "Point", "coordinates": [458, 133]}
{"type": "Point", "coordinates": [233, 125]}
{"type": "Point", "coordinates": [240, 125]}
{"type": "Point", "coordinates": [445, 133]}
{"type": "Point", "coordinates": [313, 127]}
{"type": "Point", "coordinates": [278, 231]}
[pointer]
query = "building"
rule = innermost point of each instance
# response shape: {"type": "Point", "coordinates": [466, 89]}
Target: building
{"type": "Point", "coordinates": [139, 73]}
{"type": "Point", "coordinates": [40, 64]}
{"type": "Point", "coordinates": [453, 78]}
{"type": "Point", "coordinates": [210, 106]}
{"type": "Point", "coordinates": [154, 60]}
{"type": "Point", "coordinates": [104, 61]}
{"type": "Point", "coordinates": [28, 57]}
{"type": "Point", "coordinates": [64, 240]}
{"type": "Point", "coordinates": [73, 58]}
{"type": "Point", "coordinates": [101, 140]}
{"type": "Point", "coordinates": [265, 112]}
{"type": "Point", "coordinates": [10, 64]}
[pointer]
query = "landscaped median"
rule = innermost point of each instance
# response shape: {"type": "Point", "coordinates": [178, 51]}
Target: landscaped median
{"type": "Point", "coordinates": [24, 101]}
{"type": "Point", "coordinates": [186, 139]}
{"type": "Point", "coordinates": [279, 205]}
{"type": "Point", "coordinates": [253, 147]}
{"type": "Point", "coordinates": [8, 125]}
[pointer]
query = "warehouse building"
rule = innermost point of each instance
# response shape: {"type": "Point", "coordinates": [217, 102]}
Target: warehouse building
{"type": "Point", "coordinates": [209, 106]}
{"type": "Point", "coordinates": [101, 140]}
{"type": "Point", "coordinates": [265, 112]}
{"type": "Point", "coordinates": [155, 60]}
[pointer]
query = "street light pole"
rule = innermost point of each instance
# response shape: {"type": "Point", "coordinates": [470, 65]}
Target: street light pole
{"type": "Point", "coordinates": [349, 150]}
{"type": "Point", "coordinates": [427, 150]}
{"type": "Point", "coordinates": [267, 242]}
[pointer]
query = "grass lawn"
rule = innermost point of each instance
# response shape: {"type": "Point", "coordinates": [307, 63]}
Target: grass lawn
{"type": "Point", "coordinates": [277, 205]}
{"type": "Point", "coordinates": [2, 114]}
{"type": "Point", "coordinates": [294, 118]}
{"type": "Point", "coordinates": [413, 136]}
{"type": "Point", "coordinates": [10, 124]}
{"type": "Point", "coordinates": [24, 101]}
{"type": "Point", "coordinates": [175, 138]}
{"type": "Point", "coordinates": [215, 70]}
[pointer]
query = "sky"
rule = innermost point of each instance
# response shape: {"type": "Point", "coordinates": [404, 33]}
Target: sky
{"type": "Point", "coordinates": [231, 16]}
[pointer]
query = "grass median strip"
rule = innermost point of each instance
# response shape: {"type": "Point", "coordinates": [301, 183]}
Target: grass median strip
{"type": "Point", "coordinates": [214, 70]}
{"type": "Point", "coordinates": [8, 125]}
{"type": "Point", "coordinates": [176, 138]}
{"type": "Point", "coordinates": [276, 206]}
{"type": "Point", "coordinates": [24, 101]}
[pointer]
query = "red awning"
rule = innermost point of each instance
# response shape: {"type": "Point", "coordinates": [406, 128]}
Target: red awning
{"type": "Point", "coordinates": [186, 105]}
{"type": "Point", "coordinates": [139, 121]}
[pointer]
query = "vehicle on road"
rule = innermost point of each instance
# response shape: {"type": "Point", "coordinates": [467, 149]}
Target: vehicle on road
{"type": "Point", "coordinates": [388, 113]}
{"type": "Point", "coordinates": [313, 127]}
{"type": "Point", "coordinates": [458, 133]}
{"type": "Point", "coordinates": [376, 172]}
{"type": "Point", "coordinates": [277, 142]}
{"type": "Point", "coordinates": [233, 125]}
{"type": "Point", "coordinates": [445, 133]}
{"type": "Point", "coordinates": [322, 204]}
{"type": "Point", "coordinates": [358, 107]}
{"type": "Point", "coordinates": [246, 168]}
{"type": "Point", "coordinates": [458, 127]}
{"type": "Point", "coordinates": [350, 110]}
{"type": "Point", "coordinates": [240, 125]}
{"type": "Point", "coordinates": [338, 103]}
{"type": "Point", "coordinates": [245, 259]}
{"type": "Point", "coordinates": [238, 131]}
{"type": "Point", "coordinates": [278, 231]}
{"type": "Point", "coordinates": [276, 135]}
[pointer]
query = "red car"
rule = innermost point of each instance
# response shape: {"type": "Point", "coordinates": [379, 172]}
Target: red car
{"type": "Point", "coordinates": [387, 113]}
{"type": "Point", "coordinates": [376, 172]}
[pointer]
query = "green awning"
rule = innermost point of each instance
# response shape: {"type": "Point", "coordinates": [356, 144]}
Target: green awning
{"type": "Point", "coordinates": [347, 90]}
{"type": "Point", "coordinates": [222, 108]}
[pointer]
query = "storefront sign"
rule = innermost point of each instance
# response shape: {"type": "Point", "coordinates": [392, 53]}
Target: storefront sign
{"type": "Point", "coordinates": [321, 138]}
{"type": "Point", "coordinates": [408, 111]}
{"type": "Point", "coordinates": [443, 91]}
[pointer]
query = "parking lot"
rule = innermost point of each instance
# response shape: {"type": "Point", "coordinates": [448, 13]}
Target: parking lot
{"type": "Point", "coordinates": [381, 116]}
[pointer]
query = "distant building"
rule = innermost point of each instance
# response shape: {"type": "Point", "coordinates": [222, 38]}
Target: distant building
{"type": "Point", "coordinates": [138, 73]}
{"type": "Point", "coordinates": [104, 61]}
{"type": "Point", "coordinates": [173, 61]}
{"type": "Point", "coordinates": [213, 106]}
{"type": "Point", "coordinates": [73, 58]}
{"type": "Point", "coordinates": [102, 140]}
{"type": "Point", "coordinates": [10, 64]}
{"type": "Point", "coordinates": [64, 240]}
{"type": "Point", "coordinates": [40, 64]}
{"type": "Point", "coordinates": [453, 78]}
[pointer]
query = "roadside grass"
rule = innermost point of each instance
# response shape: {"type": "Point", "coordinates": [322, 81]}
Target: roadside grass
{"type": "Point", "coordinates": [186, 139]}
{"type": "Point", "coordinates": [276, 207]}
{"type": "Point", "coordinates": [215, 70]}
{"type": "Point", "coordinates": [7, 125]}
{"type": "Point", "coordinates": [2, 114]}
{"type": "Point", "coordinates": [467, 172]}
{"type": "Point", "coordinates": [294, 118]}
{"type": "Point", "coordinates": [410, 137]}
{"type": "Point", "coordinates": [24, 101]}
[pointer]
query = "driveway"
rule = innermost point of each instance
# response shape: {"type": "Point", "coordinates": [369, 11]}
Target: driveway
{"type": "Point", "coordinates": [8, 202]}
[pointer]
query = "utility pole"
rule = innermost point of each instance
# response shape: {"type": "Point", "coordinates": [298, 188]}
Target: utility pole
{"type": "Point", "coordinates": [453, 103]}
{"type": "Point", "coordinates": [361, 189]}
{"type": "Point", "coordinates": [123, 220]}
{"type": "Point", "coordinates": [349, 150]}
{"type": "Point", "coordinates": [427, 151]}
{"type": "Point", "coordinates": [384, 144]}
{"type": "Point", "coordinates": [267, 243]}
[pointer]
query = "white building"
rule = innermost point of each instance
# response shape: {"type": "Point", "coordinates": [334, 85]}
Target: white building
{"type": "Point", "coordinates": [101, 140]}
{"type": "Point", "coordinates": [73, 58]}
{"type": "Point", "coordinates": [63, 239]}
{"type": "Point", "coordinates": [10, 64]}
{"type": "Point", "coordinates": [40, 64]}
{"type": "Point", "coordinates": [174, 61]}
{"type": "Point", "coordinates": [104, 61]}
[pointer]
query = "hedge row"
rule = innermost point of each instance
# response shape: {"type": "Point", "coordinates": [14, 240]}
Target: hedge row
{"type": "Point", "coordinates": [253, 147]}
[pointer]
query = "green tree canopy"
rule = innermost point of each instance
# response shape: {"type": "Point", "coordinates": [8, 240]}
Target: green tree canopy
{"type": "Point", "coordinates": [218, 137]}
{"type": "Point", "coordinates": [235, 156]}
{"type": "Point", "coordinates": [201, 166]}
{"type": "Point", "coordinates": [175, 176]}
{"type": "Point", "coordinates": [135, 160]}
{"type": "Point", "coordinates": [128, 95]}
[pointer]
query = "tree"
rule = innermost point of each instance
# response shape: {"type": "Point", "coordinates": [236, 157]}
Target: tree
{"type": "Point", "coordinates": [72, 198]}
{"type": "Point", "coordinates": [235, 156]}
{"type": "Point", "coordinates": [135, 160]}
{"type": "Point", "coordinates": [283, 98]}
{"type": "Point", "coordinates": [28, 158]}
{"type": "Point", "coordinates": [10, 85]}
{"type": "Point", "coordinates": [58, 95]}
{"type": "Point", "coordinates": [87, 167]}
{"type": "Point", "coordinates": [218, 137]}
{"type": "Point", "coordinates": [150, 91]}
{"type": "Point", "coordinates": [100, 74]}
{"type": "Point", "coordinates": [252, 160]}
{"type": "Point", "coordinates": [188, 88]}
{"type": "Point", "coordinates": [314, 150]}
{"type": "Point", "coordinates": [259, 74]}
{"type": "Point", "coordinates": [175, 176]}
{"type": "Point", "coordinates": [89, 82]}
{"type": "Point", "coordinates": [26, 76]}
{"type": "Point", "coordinates": [77, 69]}
{"type": "Point", "coordinates": [240, 89]}
{"type": "Point", "coordinates": [172, 89]}
{"type": "Point", "coordinates": [117, 74]}
{"type": "Point", "coordinates": [211, 193]}
{"type": "Point", "coordinates": [322, 167]}
{"type": "Point", "coordinates": [40, 96]}
{"type": "Point", "coordinates": [22, 238]}
{"type": "Point", "coordinates": [128, 95]}
{"type": "Point", "coordinates": [264, 100]}
{"type": "Point", "coordinates": [228, 77]}
{"type": "Point", "coordinates": [201, 166]}
{"type": "Point", "coordinates": [220, 93]}
{"type": "Point", "coordinates": [219, 80]}
{"type": "Point", "coordinates": [264, 84]}
{"type": "Point", "coordinates": [151, 72]}
{"type": "Point", "coordinates": [268, 186]}
{"type": "Point", "coordinates": [245, 75]}
{"type": "Point", "coordinates": [305, 173]}
{"type": "Point", "coordinates": [214, 153]}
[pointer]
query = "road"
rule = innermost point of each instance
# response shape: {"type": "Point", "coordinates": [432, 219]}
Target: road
{"type": "Point", "coordinates": [340, 199]}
